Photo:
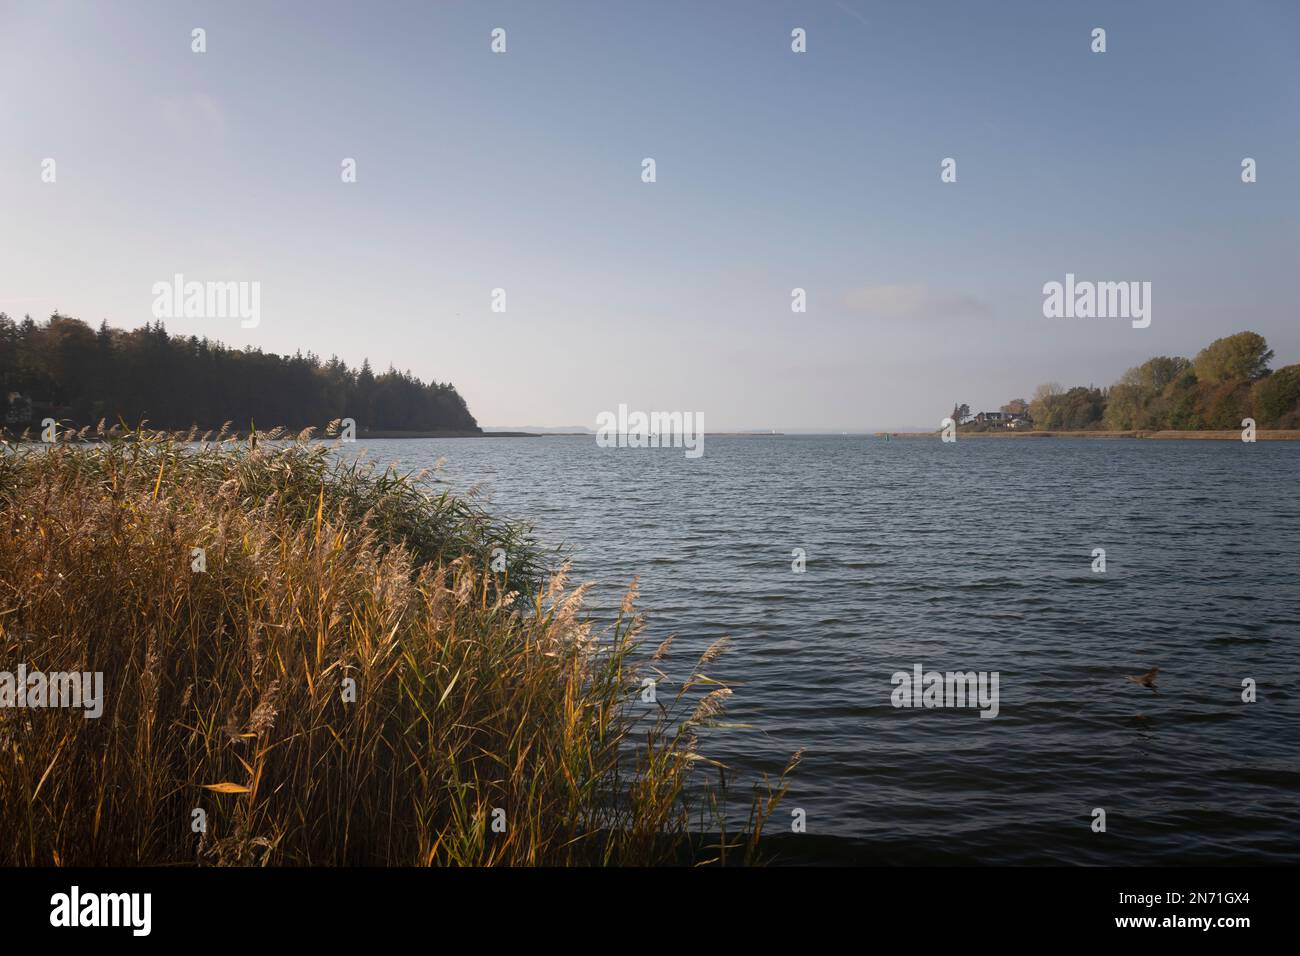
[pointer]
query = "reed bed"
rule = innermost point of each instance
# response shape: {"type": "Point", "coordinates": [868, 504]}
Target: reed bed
{"type": "Point", "coordinates": [347, 681]}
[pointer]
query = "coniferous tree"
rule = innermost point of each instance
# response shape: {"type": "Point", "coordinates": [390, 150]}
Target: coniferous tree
{"type": "Point", "coordinates": [64, 369]}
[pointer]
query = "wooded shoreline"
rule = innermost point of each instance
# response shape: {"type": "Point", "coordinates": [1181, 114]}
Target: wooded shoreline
{"type": "Point", "coordinates": [1263, 434]}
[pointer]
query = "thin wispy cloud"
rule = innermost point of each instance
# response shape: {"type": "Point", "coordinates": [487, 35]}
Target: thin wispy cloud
{"type": "Point", "coordinates": [192, 115]}
{"type": "Point", "coordinates": [853, 13]}
{"type": "Point", "coordinates": [914, 302]}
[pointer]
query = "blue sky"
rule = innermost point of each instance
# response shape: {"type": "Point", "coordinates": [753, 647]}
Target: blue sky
{"type": "Point", "coordinates": [775, 170]}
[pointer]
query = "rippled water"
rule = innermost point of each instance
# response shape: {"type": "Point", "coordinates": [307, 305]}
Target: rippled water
{"type": "Point", "coordinates": [973, 556]}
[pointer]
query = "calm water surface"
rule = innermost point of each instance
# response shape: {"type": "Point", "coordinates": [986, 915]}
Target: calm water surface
{"type": "Point", "coordinates": [973, 556]}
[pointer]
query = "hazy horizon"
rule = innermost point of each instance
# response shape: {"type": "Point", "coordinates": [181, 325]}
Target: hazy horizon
{"type": "Point", "coordinates": [775, 170]}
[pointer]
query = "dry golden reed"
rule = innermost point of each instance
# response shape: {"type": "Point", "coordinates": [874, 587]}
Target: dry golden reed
{"type": "Point", "coordinates": [346, 683]}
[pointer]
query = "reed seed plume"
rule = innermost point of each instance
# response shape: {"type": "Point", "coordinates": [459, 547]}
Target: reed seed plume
{"type": "Point", "coordinates": [715, 650]}
{"type": "Point", "coordinates": [711, 705]}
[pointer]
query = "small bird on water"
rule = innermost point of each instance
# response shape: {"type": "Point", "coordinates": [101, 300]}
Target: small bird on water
{"type": "Point", "coordinates": [1146, 680]}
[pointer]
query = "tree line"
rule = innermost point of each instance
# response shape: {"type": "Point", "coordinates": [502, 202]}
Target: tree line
{"type": "Point", "coordinates": [64, 369]}
{"type": "Point", "coordinates": [1229, 380]}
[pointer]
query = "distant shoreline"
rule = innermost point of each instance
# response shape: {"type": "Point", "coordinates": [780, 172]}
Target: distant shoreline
{"type": "Point", "coordinates": [486, 434]}
{"type": "Point", "coordinates": [452, 434]}
{"type": "Point", "coordinates": [1233, 434]}
{"type": "Point", "coordinates": [1263, 434]}
{"type": "Point", "coordinates": [70, 434]}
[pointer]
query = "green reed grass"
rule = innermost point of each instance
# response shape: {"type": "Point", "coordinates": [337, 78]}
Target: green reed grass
{"type": "Point", "coordinates": [224, 689]}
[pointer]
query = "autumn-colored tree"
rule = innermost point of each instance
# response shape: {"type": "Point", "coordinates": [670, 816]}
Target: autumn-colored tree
{"type": "Point", "coordinates": [1241, 357]}
{"type": "Point", "coordinates": [1145, 396]}
{"type": "Point", "coordinates": [1277, 399]}
{"type": "Point", "coordinates": [1042, 404]}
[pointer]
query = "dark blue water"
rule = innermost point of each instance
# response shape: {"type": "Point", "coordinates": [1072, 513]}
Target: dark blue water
{"type": "Point", "coordinates": [971, 556]}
